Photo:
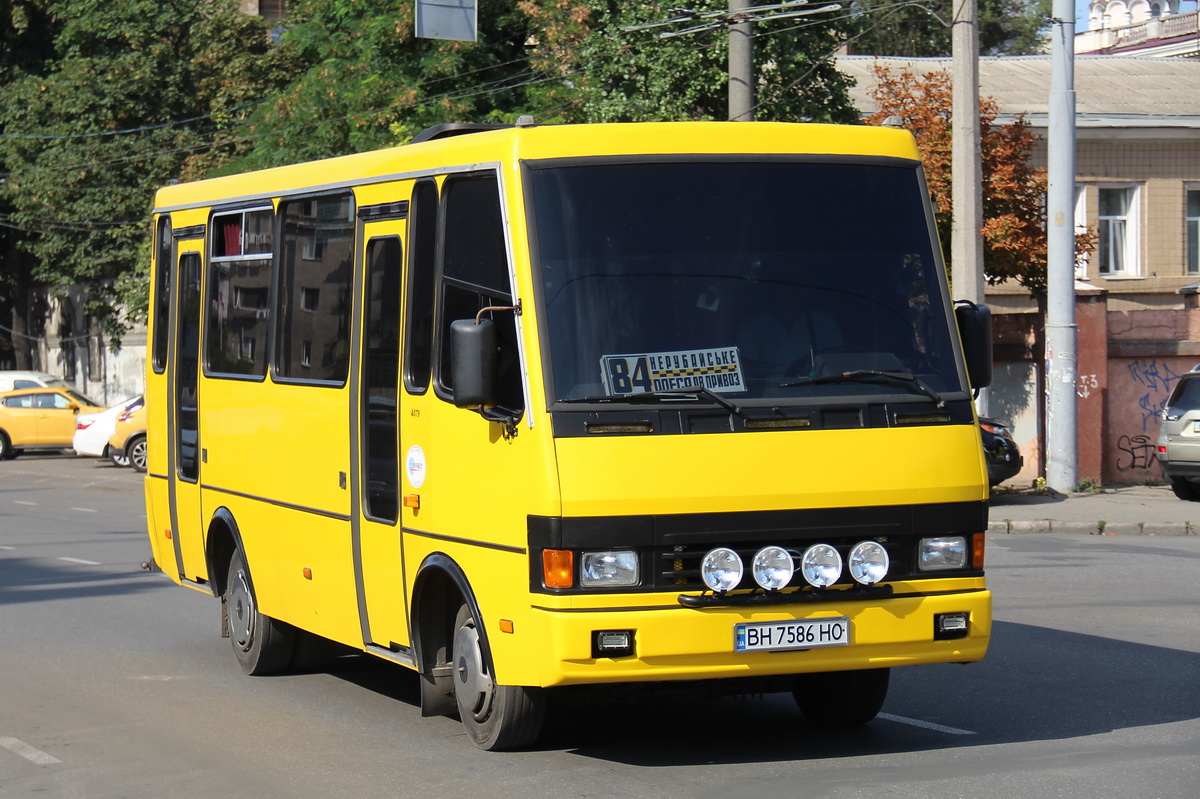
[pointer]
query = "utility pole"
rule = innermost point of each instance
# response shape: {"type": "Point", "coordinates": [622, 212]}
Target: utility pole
{"type": "Point", "coordinates": [1062, 465]}
{"type": "Point", "coordinates": [739, 19]}
{"type": "Point", "coordinates": [741, 62]}
{"type": "Point", "coordinates": [966, 238]}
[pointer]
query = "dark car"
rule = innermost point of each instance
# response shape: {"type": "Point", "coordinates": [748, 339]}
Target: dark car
{"type": "Point", "coordinates": [1001, 452]}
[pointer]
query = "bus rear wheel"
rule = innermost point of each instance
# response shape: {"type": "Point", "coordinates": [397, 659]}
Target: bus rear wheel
{"type": "Point", "coordinates": [261, 644]}
{"type": "Point", "coordinates": [496, 717]}
{"type": "Point", "coordinates": [841, 698]}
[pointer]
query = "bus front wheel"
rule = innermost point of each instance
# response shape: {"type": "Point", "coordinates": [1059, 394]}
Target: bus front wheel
{"type": "Point", "coordinates": [261, 644]}
{"type": "Point", "coordinates": [496, 717]}
{"type": "Point", "coordinates": [841, 698]}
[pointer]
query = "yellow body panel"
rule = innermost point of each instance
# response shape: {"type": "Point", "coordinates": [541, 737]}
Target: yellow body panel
{"type": "Point", "coordinates": [278, 461]}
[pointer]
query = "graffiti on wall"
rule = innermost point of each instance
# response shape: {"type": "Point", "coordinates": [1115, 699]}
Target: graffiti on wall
{"type": "Point", "coordinates": [1157, 378]}
{"type": "Point", "coordinates": [1137, 452]}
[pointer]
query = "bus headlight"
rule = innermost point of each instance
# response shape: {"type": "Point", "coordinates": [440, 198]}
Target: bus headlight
{"type": "Point", "coordinates": [601, 569]}
{"type": "Point", "coordinates": [821, 565]}
{"type": "Point", "coordinates": [944, 552]}
{"type": "Point", "coordinates": [721, 569]}
{"type": "Point", "coordinates": [868, 562]}
{"type": "Point", "coordinates": [773, 568]}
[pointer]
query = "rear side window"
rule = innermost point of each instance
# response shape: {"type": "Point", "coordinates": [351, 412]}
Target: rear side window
{"type": "Point", "coordinates": [1186, 396]}
{"type": "Point", "coordinates": [316, 259]}
{"type": "Point", "coordinates": [162, 292]}
{"type": "Point", "coordinates": [239, 287]}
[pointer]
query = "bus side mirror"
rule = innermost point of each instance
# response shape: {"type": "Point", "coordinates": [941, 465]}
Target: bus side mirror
{"type": "Point", "coordinates": [473, 362]}
{"type": "Point", "coordinates": [975, 331]}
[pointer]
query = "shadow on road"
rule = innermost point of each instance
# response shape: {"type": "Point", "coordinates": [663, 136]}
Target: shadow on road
{"type": "Point", "coordinates": [1037, 684]}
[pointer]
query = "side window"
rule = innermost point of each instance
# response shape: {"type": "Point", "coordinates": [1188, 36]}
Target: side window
{"type": "Point", "coordinates": [239, 286]}
{"type": "Point", "coordinates": [162, 293]}
{"type": "Point", "coordinates": [18, 383]}
{"type": "Point", "coordinates": [316, 259]}
{"type": "Point", "coordinates": [474, 276]}
{"type": "Point", "coordinates": [380, 379]}
{"type": "Point", "coordinates": [422, 256]}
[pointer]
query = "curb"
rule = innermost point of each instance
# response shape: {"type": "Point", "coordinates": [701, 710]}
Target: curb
{"type": "Point", "coordinates": [1091, 528]}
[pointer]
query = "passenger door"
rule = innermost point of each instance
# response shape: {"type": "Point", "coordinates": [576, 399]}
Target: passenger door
{"type": "Point", "coordinates": [375, 416]}
{"type": "Point", "coordinates": [185, 454]}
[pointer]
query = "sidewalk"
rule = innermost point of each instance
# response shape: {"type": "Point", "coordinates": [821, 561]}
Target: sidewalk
{"type": "Point", "coordinates": [1123, 510]}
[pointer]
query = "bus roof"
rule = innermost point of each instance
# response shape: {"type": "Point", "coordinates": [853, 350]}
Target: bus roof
{"type": "Point", "coordinates": [530, 142]}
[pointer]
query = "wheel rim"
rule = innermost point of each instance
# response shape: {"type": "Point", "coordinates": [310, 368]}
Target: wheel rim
{"type": "Point", "coordinates": [473, 685]}
{"type": "Point", "coordinates": [138, 455]}
{"type": "Point", "coordinates": [240, 606]}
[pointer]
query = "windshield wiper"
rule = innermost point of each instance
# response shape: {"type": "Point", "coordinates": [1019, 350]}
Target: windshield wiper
{"type": "Point", "coordinates": [685, 393]}
{"type": "Point", "coordinates": [868, 374]}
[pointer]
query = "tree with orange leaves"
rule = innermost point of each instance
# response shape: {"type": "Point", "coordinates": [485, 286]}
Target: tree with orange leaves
{"type": "Point", "coordinates": [1014, 231]}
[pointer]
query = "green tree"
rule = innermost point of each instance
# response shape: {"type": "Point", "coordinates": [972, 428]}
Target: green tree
{"type": "Point", "coordinates": [25, 37]}
{"type": "Point", "coordinates": [921, 28]}
{"type": "Point", "coordinates": [638, 76]}
{"type": "Point", "coordinates": [362, 80]}
{"type": "Point", "coordinates": [121, 98]}
{"type": "Point", "coordinates": [1014, 231]}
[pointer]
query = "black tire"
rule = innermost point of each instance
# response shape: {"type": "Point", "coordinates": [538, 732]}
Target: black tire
{"type": "Point", "coordinates": [1185, 489]}
{"type": "Point", "coordinates": [841, 698]}
{"type": "Point", "coordinates": [496, 717]}
{"type": "Point", "coordinates": [117, 457]}
{"type": "Point", "coordinates": [7, 453]}
{"type": "Point", "coordinates": [261, 644]}
{"type": "Point", "coordinates": [135, 453]}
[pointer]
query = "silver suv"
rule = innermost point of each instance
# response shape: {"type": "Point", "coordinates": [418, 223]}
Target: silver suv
{"type": "Point", "coordinates": [1179, 437]}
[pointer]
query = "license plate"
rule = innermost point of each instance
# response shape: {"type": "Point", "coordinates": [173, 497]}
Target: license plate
{"type": "Point", "coordinates": [1196, 425]}
{"type": "Point", "coordinates": [773, 636]}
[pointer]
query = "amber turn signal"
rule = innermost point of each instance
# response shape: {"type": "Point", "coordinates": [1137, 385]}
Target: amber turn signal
{"type": "Point", "coordinates": [558, 568]}
{"type": "Point", "coordinates": [978, 543]}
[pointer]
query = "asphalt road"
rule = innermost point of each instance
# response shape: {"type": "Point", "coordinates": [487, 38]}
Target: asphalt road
{"type": "Point", "coordinates": [115, 683]}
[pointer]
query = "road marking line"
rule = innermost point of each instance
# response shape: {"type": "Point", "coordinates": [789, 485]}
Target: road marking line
{"type": "Point", "coordinates": [81, 562]}
{"type": "Point", "coordinates": [24, 502]}
{"type": "Point", "coordinates": [28, 752]}
{"type": "Point", "coordinates": [928, 725]}
{"type": "Point", "coordinates": [8, 548]}
{"type": "Point", "coordinates": [84, 510]}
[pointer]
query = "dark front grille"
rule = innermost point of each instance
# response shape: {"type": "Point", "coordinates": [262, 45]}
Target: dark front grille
{"type": "Point", "coordinates": [671, 546]}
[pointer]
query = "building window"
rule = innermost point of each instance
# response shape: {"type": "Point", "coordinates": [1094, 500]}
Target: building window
{"type": "Point", "coordinates": [1193, 232]}
{"type": "Point", "coordinates": [1117, 248]}
{"type": "Point", "coordinates": [1082, 259]}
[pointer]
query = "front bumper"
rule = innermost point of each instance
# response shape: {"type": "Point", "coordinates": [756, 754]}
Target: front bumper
{"type": "Point", "coordinates": [678, 643]}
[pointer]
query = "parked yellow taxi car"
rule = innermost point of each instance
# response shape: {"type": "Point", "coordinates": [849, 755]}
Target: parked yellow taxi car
{"type": "Point", "coordinates": [40, 418]}
{"type": "Point", "coordinates": [127, 445]}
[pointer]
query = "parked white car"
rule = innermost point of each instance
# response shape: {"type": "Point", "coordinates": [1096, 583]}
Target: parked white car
{"type": "Point", "coordinates": [12, 379]}
{"type": "Point", "coordinates": [92, 430]}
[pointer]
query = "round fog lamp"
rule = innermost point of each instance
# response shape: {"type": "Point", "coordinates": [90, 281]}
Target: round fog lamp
{"type": "Point", "coordinates": [773, 568]}
{"type": "Point", "coordinates": [721, 569]}
{"type": "Point", "coordinates": [821, 565]}
{"type": "Point", "coordinates": [868, 562]}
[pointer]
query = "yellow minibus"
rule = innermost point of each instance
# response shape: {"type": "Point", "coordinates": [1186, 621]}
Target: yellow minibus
{"type": "Point", "coordinates": [529, 406]}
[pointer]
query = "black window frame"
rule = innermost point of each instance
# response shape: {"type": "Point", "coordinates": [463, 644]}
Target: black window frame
{"type": "Point", "coordinates": [510, 378]}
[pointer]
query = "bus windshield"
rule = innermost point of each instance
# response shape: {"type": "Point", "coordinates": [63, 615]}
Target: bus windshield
{"type": "Point", "coordinates": [752, 279]}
